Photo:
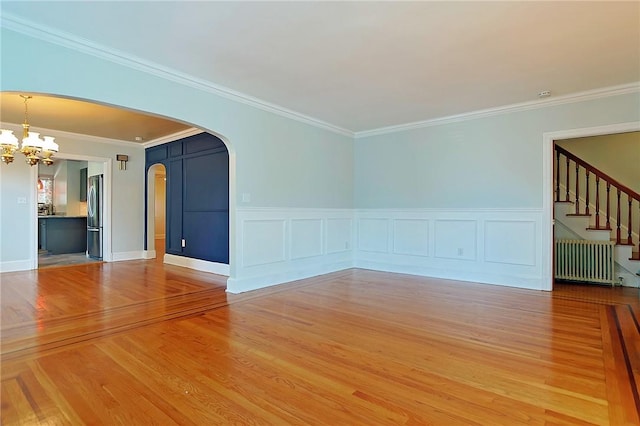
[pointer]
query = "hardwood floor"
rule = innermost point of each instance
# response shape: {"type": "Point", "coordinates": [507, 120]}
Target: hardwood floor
{"type": "Point", "coordinates": [145, 343]}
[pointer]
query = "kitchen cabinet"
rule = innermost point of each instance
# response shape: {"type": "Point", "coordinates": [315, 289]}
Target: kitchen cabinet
{"type": "Point", "coordinates": [62, 234]}
{"type": "Point", "coordinates": [83, 184]}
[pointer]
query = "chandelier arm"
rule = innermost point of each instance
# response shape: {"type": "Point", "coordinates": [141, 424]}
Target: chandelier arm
{"type": "Point", "coordinates": [35, 150]}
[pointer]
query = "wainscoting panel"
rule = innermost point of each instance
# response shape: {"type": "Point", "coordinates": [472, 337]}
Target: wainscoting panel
{"type": "Point", "coordinates": [494, 246]}
{"type": "Point", "coordinates": [263, 241]}
{"type": "Point", "coordinates": [339, 235]}
{"type": "Point", "coordinates": [510, 242]}
{"type": "Point", "coordinates": [411, 236]}
{"type": "Point", "coordinates": [276, 245]}
{"type": "Point", "coordinates": [456, 239]}
{"type": "Point", "coordinates": [306, 238]}
{"type": "Point", "coordinates": [373, 235]}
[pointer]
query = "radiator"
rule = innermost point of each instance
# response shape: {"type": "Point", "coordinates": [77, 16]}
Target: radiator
{"type": "Point", "coordinates": [585, 260]}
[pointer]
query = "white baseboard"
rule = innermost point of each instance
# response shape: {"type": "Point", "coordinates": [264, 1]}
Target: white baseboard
{"type": "Point", "coordinates": [240, 285]}
{"type": "Point", "coordinates": [197, 264]}
{"type": "Point", "coordinates": [128, 255]}
{"type": "Point", "coordinates": [16, 265]}
{"type": "Point", "coordinates": [507, 280]}
{"type": "Point", "coordinates": [149, 254]}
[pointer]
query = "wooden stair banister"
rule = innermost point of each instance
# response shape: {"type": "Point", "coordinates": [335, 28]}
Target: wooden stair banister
{"type": "Point", "coordinates": [609, 181]}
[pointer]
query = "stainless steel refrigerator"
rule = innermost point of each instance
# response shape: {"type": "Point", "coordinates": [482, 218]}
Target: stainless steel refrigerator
{"type": "Point", "coordinates": [94, 217]}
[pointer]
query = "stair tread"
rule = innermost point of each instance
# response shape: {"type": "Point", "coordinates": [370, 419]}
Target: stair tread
{"type": "Point", "coordinates": [593, 228]}
{"type": "Point", "coordinates": [623, 242]}
{"type": "Point", "coordinates": [635, 256]}
{"type": "Point", "coordinates": [579, 214]}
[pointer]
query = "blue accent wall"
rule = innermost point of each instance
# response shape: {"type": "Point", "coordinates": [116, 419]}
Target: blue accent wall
{"type": "Point", "coordinates": [197, 193]}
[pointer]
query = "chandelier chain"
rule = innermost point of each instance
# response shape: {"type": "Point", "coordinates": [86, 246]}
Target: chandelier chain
{"type": "Point", "coordinates": [25, 125]}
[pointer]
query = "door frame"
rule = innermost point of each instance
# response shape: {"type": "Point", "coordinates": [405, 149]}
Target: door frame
{"type": "Point", "coordinates": [150, 252]}
{"type": "Point", "coordinates": [107, 253]}
{"type": "Point", "coordinates": [548, 141]}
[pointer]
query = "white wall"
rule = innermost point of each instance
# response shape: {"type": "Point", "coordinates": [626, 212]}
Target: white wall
{"type": "Point", "coordinates": [487, 162]}
{"type": "Point", "coordinates": [127, 208]}
{"type": "Point", "coordinates": [464, 200]}
{"type": "Point", "coordinates": [483, 175]}
{"type": "Point", "coordinates": [280, 161]}
{"type": "Point", "coordinates": [17, 204]}
{"type": "Point", "coordinates": [277, 161]}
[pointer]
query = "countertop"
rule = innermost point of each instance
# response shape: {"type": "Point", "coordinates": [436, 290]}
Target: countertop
{"type": "Point", "coordinates": [55, 216]}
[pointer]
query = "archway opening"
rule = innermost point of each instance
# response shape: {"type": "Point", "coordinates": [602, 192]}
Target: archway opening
{"type": "Point", "coordinates": [156, 215]}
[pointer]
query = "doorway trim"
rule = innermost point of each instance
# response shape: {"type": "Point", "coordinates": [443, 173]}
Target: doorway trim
{"type": "Point", "coordinates": [548, 140]}
{"type": "Point", "coordinates": [107, 251]}
{"type": "Point", "coordinates": [150, 252]}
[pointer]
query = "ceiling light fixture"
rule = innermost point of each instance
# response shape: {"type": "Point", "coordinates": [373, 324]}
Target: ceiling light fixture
{"type": "Point", "coordinates": [34, 148]}
{"type": "Point", "coordinates": [544, 94]}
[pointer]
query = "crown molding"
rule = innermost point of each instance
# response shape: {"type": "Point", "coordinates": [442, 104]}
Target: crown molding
{"type": "Point", "coordinates": [51, 35]}
{"type": "Point", "coordinates": [172, 137]}
{"type": "Point", "coordinates": [60, 134]}
{"type": "Point", "coordinates": [507, 109]}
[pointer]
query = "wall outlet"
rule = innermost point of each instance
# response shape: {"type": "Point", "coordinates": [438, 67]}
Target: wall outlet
{"type": "Point", "coordinates": [460, 251]}
{"type": "Point", "coordinates": [184, 243]}
{"type": "Point", "coordinates": [346, 244]}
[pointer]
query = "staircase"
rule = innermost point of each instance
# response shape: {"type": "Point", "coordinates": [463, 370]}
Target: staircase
{"type": "Point", "coordinates": [591, 205]}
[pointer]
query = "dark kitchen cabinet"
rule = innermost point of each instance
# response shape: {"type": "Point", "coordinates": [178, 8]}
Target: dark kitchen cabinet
{"type": "Point", "coordinates": [83, 184]}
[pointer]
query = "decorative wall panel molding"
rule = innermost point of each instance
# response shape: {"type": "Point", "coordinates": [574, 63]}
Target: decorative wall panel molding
{"type": "Point", "coordinates": [510, 242]}
{"type": "Point", "coordinates": [373, 235]}
{"type": "Point", "coordinates": [263, 241]}
{"type": "Point", "coordinates": [276, 245]}
{"type": "Point", "coordinates": [306, 238]}
{"type": "Point", "coordinates": [456, 239]}
{"type": "Point", "coordinates": [494, 246]}
{"type": "Point", "coordinates": [339, 235]}
{"type": "Point", "coordinates": [411, 237]}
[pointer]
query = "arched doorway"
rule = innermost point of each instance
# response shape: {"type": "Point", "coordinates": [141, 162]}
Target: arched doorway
{"type": "Point", "coordinates": [197, 170]}
{"type": "Point", "coordinates": [156, 214]}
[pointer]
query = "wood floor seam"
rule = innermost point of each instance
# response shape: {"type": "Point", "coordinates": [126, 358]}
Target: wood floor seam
{"type": "Point", "coordinates": [352, 347]}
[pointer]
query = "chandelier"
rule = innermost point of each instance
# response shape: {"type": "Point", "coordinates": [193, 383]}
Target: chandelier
{"type": "Point", "coordinates": [34, 148]}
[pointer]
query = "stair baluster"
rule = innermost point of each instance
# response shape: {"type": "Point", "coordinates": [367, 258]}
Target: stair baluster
{"type": "Point", "coordinates": [608, 205]}
{"type": "Point", "coordinates": [557, 175]}
{"type": "Point", "coordinates": [632, 196]}
{"type": "Point", "coordinates": [586, 199]}
{"type": "Point", "coordinates": [577, 189]}
{"type": "Point", "coordinates": [566, 198]}
{"type": "Point", "coordinates": [630, 224]}
{"type": "Point", "coordinates": [597, 202]}
{"type": "Point", "coordinates": [618, 220]}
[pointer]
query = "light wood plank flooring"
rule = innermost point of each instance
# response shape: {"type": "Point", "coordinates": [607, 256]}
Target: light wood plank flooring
{"type": "Point", "coordinates": [145, 343]}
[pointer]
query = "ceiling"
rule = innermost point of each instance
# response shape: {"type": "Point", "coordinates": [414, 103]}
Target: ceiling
{"type": "Point", "coordinates": [46, 112]}
{"type": "Point", "coordinates": [360, 65]}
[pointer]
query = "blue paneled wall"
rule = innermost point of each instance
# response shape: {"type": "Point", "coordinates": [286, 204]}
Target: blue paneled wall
{"type": "Point", "coordinates": [197, 191]}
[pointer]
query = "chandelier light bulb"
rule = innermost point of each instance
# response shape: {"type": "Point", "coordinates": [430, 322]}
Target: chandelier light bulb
{"type": "Point", "coordinates": [8, 145]}
{"type": "Point", "coordinates": [34, 148]}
